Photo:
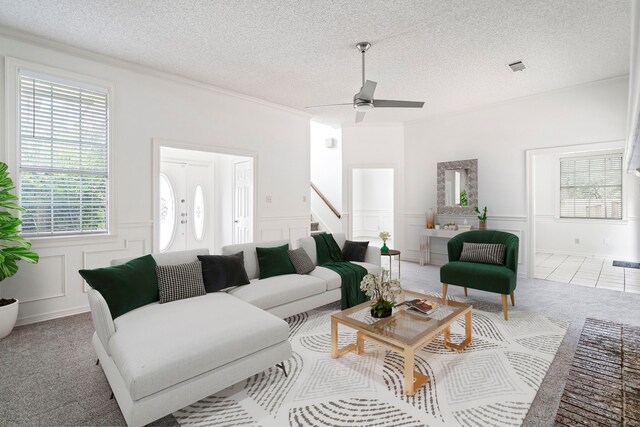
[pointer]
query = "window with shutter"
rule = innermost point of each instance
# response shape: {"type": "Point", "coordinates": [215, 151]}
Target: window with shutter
{"type": "Point", "coordinates": [63, 156]}
{"type": "Point", "coordinates": [591, 187]}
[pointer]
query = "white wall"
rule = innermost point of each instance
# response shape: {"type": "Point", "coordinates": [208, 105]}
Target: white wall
{"type": "Point", "coordinates": [372, 200]}
{"type": "Point", "coordinates": [326, 163]}
{"type": "Point", "coordinates": [375, 145]}
{"type": "Point", "coordinates": [148, 105]}
{"type": "Point", "coordinates": [605, 238]}
{"type": "Point", "coordinates": [498, 136]}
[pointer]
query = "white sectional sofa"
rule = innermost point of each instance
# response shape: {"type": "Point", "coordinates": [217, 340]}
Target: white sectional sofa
{"type": "Point", "coordinates": [162, 357]}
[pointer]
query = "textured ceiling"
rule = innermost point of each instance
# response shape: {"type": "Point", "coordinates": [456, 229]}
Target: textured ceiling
{"type": "Point", "coordinates": [451, 54]}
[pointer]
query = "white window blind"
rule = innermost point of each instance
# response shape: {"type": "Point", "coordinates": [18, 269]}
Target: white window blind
{"type": "Point", "coordinates": [591, 187]}
{"type": "Point", "coordinates": [64, 164]}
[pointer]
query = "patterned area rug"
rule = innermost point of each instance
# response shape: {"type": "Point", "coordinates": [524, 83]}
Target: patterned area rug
{"type": "Point", "coordinates": [603, 387]}
{"type": "Point", "coordinates": [492, 383]}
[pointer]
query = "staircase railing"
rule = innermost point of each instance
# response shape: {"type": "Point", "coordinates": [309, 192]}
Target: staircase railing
{"type": "Point", "coordinates": [325, 200]}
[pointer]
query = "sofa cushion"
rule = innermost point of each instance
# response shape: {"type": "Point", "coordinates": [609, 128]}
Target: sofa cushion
{"type": "Point", "coordinates": [223, 271]}
{"type": "Point", "coordinates": [176, 282]}
{"type": "Point", "coordinates": [127, 286]}
{"type": "Point", "coordinates": [301, 261]}
{"type": "Point", "coordinates": [278, 290]}
{"type": "Point", "coordinates": [274, 261]}
{"type": "Point", "coordinates": [332, 279]}
{"type": "Point", "coordinates": [157, 346]}
{"type": "Point", "coordinates": [354, 251]}
{"type": "Point", "coordinates": [485, 277]}
{"type": "Point", "coordinates": [371, 268]}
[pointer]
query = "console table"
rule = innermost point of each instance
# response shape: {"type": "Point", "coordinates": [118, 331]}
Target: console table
{"type": "Point", "coordinates": [425, 241]}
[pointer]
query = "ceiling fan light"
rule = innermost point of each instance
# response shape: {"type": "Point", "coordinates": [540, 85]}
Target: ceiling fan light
{"type": "Point", "coordinates": [364, 106]}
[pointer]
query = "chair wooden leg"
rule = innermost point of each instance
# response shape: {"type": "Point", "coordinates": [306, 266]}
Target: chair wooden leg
{"type": "Point", "coordinates": [504, 307]}
{"type": "Point", "coordinates": [513, 299]}
{"type": "Point", "coordinates": [465, 292]}
{"type": "Point", "coordinates": [444, 290]}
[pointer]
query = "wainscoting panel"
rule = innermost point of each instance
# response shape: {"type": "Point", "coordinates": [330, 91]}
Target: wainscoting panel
{"type": "Point", "coordinates": [284, 228]}
{"type": "Point", "coordinates": [53, 288]}
{"type": "Point", "coordinates": [371, 222]}
{"type": "Point", "coordinates": [42, 281]}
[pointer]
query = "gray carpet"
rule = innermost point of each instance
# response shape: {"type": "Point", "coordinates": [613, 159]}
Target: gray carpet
{"type": "Point", "coordinates": [48, 374]}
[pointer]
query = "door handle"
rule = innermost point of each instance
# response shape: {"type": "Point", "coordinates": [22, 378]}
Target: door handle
{"type": "Point", "coordinates": [184, 221]}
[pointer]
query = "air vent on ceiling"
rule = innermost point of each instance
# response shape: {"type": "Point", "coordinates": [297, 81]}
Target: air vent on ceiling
{"type": "Point", "coordinates": [517, 66]}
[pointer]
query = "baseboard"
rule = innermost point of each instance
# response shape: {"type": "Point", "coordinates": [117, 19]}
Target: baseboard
{"type": "Point", "coordinates": [52, 315]}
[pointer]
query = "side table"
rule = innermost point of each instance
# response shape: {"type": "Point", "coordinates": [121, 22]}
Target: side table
{"type": "Point", "coordinates": [391, 254]}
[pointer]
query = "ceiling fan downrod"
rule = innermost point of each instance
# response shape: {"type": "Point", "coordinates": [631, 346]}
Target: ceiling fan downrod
{"type": "Point", "coordinates": [363, 47]}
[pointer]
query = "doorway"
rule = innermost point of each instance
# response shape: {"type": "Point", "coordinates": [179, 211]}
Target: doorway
{"type": "Point", "coordinates": [372, 204]}
{"type": "Point", "coordinates": [204, 199]}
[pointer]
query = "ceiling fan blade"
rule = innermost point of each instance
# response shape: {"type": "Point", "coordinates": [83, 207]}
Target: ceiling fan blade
{"type": "Point", "coordinates": [359, 116]}
{"type": "Point", "coordinates": [366, 92]}
{"type": "Point", "coordinates": [387, 103]}
{"type": "Point", "coordinates": [329, 105]}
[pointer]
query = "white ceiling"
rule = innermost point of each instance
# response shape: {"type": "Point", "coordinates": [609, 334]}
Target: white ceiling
{"type": "Point", "coordinates": [451, 54]}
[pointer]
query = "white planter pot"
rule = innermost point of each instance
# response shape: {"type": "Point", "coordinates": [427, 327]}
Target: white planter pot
{"type": "Point", "coordinates": [8, 316]}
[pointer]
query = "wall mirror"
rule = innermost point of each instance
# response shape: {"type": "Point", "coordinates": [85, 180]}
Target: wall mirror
{"type": "Point", "coordinates": [458, 187]}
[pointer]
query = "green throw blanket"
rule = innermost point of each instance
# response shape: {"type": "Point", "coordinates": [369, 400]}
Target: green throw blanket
{"type": "Point", "coordinates": [330, 256]}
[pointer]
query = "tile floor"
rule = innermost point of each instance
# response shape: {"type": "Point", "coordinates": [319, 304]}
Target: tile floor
{"type": "Point", "coordinates": [593, 272]}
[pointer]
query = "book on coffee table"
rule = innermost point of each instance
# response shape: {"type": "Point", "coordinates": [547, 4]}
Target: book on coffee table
{"type": "Point", "coordinates": [420, 305]}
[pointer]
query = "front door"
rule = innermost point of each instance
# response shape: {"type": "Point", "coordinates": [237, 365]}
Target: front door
{"type": "Point", "coordinates": [186, 206]}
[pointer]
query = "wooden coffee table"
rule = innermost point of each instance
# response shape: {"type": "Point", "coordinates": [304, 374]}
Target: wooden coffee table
{"type": "Point", "coordinates": [404, 332]}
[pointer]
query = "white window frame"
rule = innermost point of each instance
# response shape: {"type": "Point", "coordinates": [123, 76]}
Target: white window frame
{"type": "Point", "coordinates": [13, 67]}
{"type": "Point", "coordinates": [589, 155]}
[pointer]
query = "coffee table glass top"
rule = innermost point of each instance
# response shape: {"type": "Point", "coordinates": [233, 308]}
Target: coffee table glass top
{"type": "Point", "coordinates": [404, 326]}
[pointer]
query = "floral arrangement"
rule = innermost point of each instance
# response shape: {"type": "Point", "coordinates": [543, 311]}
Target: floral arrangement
{"type": "Point", "coordinates": [384, 235]}
{"type": "Point", "coordinates": [382, 290]}
{"type": "Point", "coordinates": [482, 216]}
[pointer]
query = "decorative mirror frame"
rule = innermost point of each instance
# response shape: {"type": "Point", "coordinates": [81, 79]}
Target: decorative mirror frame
{"type": "Point", "coordinates": [471, 166]}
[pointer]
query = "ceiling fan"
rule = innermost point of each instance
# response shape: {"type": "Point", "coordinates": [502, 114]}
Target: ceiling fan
{"type": "Point", "coordinates": [363, 101]}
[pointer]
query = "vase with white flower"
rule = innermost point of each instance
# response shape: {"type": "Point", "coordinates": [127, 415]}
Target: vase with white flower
{"type": "Point", "coordinates": [384, 235]}
{"type": "Point", "coordinates": [383, 291]}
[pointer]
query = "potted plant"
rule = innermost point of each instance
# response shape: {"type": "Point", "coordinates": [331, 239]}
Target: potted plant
{"type": "Point", "coordinates": [384, 235]}
{"type": "Point", "coordinates": [13, 248]}
{"type": "Point", "coordinates": [482, 217]}
{"type": "Point", "coordinates": [381, 290]}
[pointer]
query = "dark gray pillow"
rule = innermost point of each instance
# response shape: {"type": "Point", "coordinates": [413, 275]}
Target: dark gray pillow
{"type": "Point", "coordinates": [301, 261]}
{"type": "Point", "coordinates": [180, 281]}
{"type": "Point", "coordinates": [485, 253]}
{"type": "Point", "coordinates": [355, 251]}
{"type": "Point", "coordinates": [223, 271]}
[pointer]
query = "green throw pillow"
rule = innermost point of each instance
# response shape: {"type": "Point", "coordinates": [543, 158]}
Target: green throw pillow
{"type": "Point", "coordinates": [274, 261]}
{"type": "Point", "coordinates": [127, 286]}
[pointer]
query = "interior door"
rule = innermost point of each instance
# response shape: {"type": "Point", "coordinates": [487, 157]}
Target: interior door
{"type": "Point", "coordinates": [243, 202]}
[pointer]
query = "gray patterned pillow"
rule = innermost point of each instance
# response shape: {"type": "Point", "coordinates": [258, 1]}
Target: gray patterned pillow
{"type": "Point", "coordinates": [301, 261]}
{"type": "Point", "coordinates": [180, 281]}
{"type": "Point", "coordinates": [485, 253]}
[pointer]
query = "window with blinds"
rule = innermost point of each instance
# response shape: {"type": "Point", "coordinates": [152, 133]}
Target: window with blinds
{"type": "Point", "coordinates": [591, 187]}
{"type": "Point", "coordinates": [63, 157]}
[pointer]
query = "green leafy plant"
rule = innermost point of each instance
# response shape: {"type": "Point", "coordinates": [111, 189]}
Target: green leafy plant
{"type": "Point", "coordinates": [481, 216]}
{"type": "Point", "coordinates": [463, 198]}
{"type": "Point", "coordinates": [13, 247]}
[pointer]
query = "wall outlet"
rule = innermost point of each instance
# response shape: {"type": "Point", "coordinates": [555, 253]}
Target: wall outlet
{"type": "Point", "coordinates": [605, 242]}
{"type": "Point", "coordinates": [577, 241]}
{"type": "Point", "coordinates": [268, 199]}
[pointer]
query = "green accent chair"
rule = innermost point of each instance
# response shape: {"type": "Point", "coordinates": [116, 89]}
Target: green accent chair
{"type": "Point", "coordinates": [500, 279]}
